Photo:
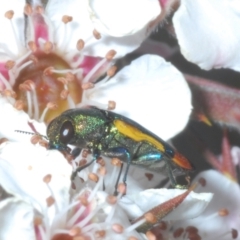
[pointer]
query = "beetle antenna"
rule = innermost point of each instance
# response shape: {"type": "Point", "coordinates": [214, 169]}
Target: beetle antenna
{"type": "Point", "coordinates": [31, 133]}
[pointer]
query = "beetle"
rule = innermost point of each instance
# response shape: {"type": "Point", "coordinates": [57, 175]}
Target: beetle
{"type": "Point", "coordinates": [112, 135]}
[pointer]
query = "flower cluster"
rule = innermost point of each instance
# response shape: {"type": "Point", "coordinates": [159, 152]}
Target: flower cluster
{"type": "Point", "coordinates": [59, 55]}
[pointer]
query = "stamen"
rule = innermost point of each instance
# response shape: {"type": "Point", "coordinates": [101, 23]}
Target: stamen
{"type": "Point", "coordinates": [111, 199]}
{"type": "Point", "coordinates": [223, 212]}
{"type": "Point", "coordinates": [50, 105]}
{"type": "Point", "coordinates": [132, 238]}
{"type": "Point", "coordinates": [47, 47]}
{"type": "Point", "coordinates": [9, 64]}
{"type": "Point", "coordinates": [19, 105]}
{"type": "Point", "coordinates": [93, 177]}
{"type": "Point", "coordinates": [96, 34]}
{"type": "Point", "coordinates": [111, 105]}
{"type": "Point", "coordinates": [35, 139]}
{"type": "Point", "coordinates": [50, 201]}
{"type": "Point", "coordinates": [111, 71]}
{"type": "Point", "coordinates": [3, 140]}
{"type": "Point", "coordinates": [32, 46]}
{"type": "Point", "coordinates": [178, 232]}
{"type": "Point", "coordinates": [9, 15]}
{"type": "Point", "coordinates": [100, 234]}
{"type": "Point", "coordinates": [5, 82]}
{"type": "Point", "coordinates": [65, 19]}
{"type": "Point", "coordinates": [74, 231]}
{"type": "Point", "coordinates": [94, 70]}
{"type": "Point", "coordinates": [88, 85]}
{"type": "Point", "coordinates": [80, 44]}
{"type": "Point", "coordinates": [64, 94]}
{"type": "Point", "coordinates": [117, 228]}
{"type": "Point", "coordinates": [150, 236]}
{"type": "Point", "coordinates": [28, 9]}
{"type": "Point", "coordinates": [110, 55]}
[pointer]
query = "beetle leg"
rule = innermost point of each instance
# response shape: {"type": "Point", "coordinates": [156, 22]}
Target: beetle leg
{"type": "Point", "coordinates": [172, 178]}
{"type": "Point", "coordinates": [95, 154]}
{"type": "Point", "coordinates": [121, 153]}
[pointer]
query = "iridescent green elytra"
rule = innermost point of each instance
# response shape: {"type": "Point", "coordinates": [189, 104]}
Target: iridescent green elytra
{"type": "Point", "coordinates": [109, 134]}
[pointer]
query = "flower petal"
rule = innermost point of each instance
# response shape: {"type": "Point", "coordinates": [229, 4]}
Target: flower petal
{"type": "Point", "coordinates": [151, 92]}
{"type": "Point", "coordinates": [123, 17]}
{"type": "Point", "coordinates": [208, 32]}
{"type": "Point", "coordinates": [16, 220]}
{"type": "Point", "coordinates": [13, 119]}
{"type": "Point", "coordinates": [82, 27]}
{"type": "Point", "coordinates": [28, 165]}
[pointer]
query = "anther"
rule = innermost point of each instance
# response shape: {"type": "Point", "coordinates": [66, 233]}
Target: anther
{"type": "Point", "coordinates": [70, 77]}
{"type": "Point", "coordinates": [9, 64]}
{"type": "Point", "coordinates": [50, 201]}
{"type": "Point", "coordinates": [83, 201]}
{"type": "Point", "coordinates": [64, 94]}
{"type": "Point", "coordinates": [101, 162]}
{"type": "Point", "coordinates": [35, 139]}
{"type": "Point", "coordinates": [87, 85]}
{"type": "Point", "coordinates": [132, 238]}
{"type": "Point", "coordinates": [9, 93]}
{"type": "Point", "coordinates": [30, 83]}
{"type": "Point", "coordinates": [43, 143]}
{"type": "Point", "coordinates": [150, 235]}
{"type": "Point", "coordinates": [191, 229]}
{"type": "Point", "coordinates": [39, 9]}
{"type": "Point", "coordinates": [52, 106]}
{"type": "Point", "coordinates": [223, 212]}
{"type": "Point", "coordinates": [116, 162]}
{"type": "Point", "coordinates": [82, 162]}
{"type": "Point", "coordinates": [28, 9]}
{"type": "Point", "coordinates": [62, 80]}
{"type": "Point", "coordinates": [202, 181]}
{"type": "Point", "coordinates": [102, 171]}
{"type": "Point", "coordinates": [48, 71]}
{"type": "Point", "coordinates": [111, 71]}
{"type": "Point", "coordinates": [3, 140]}
{"type": "Point", "coordinates": [149, 176]}
{"type": "Point", "coordinates": [33, 58]}
{"type": "Point", "coordinates": [19, 105]}
{"type": "Point", "coordinates": [37, 221]}
{"type": "Point", "coordinates": [111, 105]}
{"type": "Point", "coordinates": [111, 199]}
{"type": "Point", "coordinates": [121, 188]}
{"type": "Point", "coordinates": [66, 19]}
{"type": "Point", "coordinates": [96, 34]}
{"type": "Point", "coordinates": [100, 234]}
{"type": "Point", "coordinates": [74, 231]}
{"type": "Point", "coordinates": [47, 178]}
{"type": "Point", "coordinates": [80, 44]}
{"type": "Point", "coordinates": [85, 153]}
{"type": "Point", "coordinates": [117, 228]}
{"type": "Point", "coordinates": [93, 177]}
{"type": "Point", "coordinates": [110, 55]}
{"type": "Point", "coordinates": [47, 47]}
{"type": "Point", "coordinates": [9, 14]}
{"type": "Point", "coordinates": [32, 46]}
{"type": "Point", "coordinates": [178, 232]}
{"type": "Point", "coordinates": [149, 217]}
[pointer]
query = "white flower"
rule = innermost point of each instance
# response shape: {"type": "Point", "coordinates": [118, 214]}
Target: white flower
{"type": "Point", "coordinates": [49, 208]}
{"type": "Point", "coordinates": [150, 86]}
{"type": "Point", "coordinates": [208, 32]}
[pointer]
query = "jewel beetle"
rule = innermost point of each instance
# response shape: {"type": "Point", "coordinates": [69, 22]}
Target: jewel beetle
{"type": "Point", "coordinates": [112, 135]}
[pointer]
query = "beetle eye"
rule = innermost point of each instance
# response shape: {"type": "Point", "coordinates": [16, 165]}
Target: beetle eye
{"type": "Point", "coordinates": [66, 132]}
